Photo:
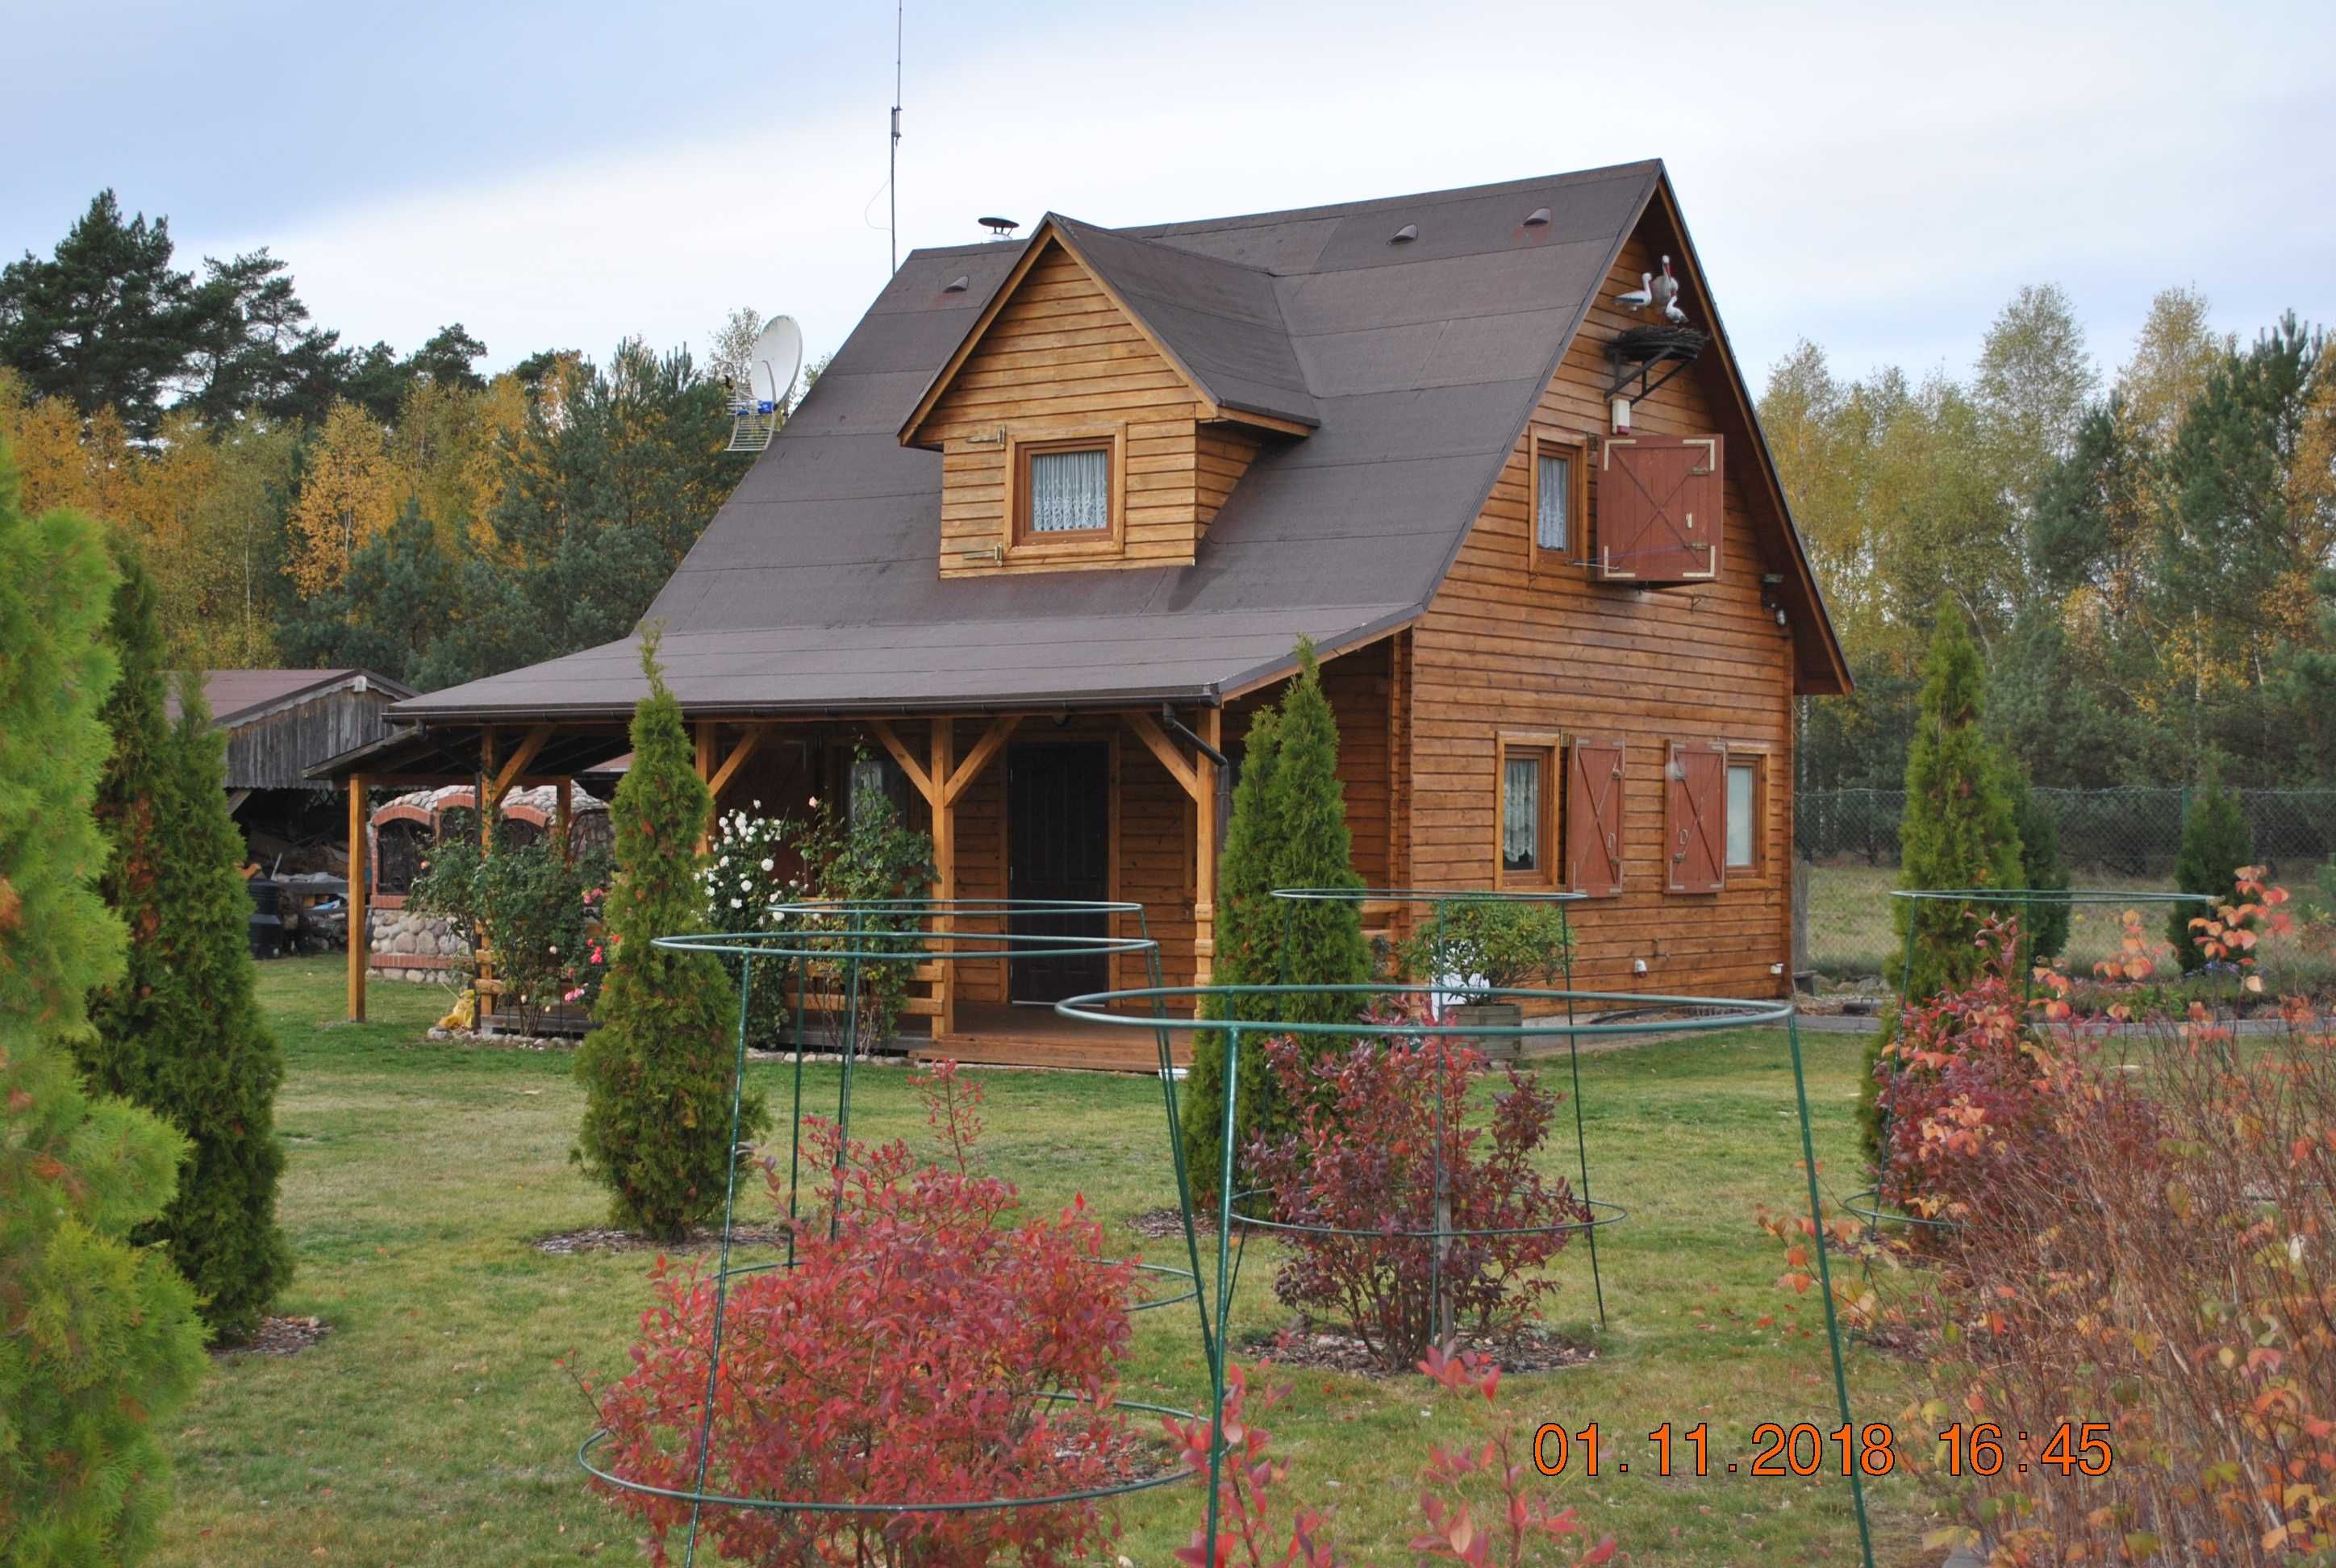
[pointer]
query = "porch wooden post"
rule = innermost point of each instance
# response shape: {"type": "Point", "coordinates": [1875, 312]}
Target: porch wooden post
{"type": "Point", "coordinates": [563, 817]}
{"type": "Point", "coordinates": [360, 942]}
{"type": "Point", "coordinates": [943, 763]}
{"type": "Point", "coordinates": [484, 806]}
{"type": "Point", "coordinates": [1204, 850]}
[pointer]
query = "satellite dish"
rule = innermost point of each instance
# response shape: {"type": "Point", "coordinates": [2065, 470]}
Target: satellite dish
{"type": "Point", "coordinates": [772, 365]}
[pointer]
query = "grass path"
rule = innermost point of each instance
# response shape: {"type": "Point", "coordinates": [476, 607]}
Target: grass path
{"type": "Point", "coordinates": [433, 1427]}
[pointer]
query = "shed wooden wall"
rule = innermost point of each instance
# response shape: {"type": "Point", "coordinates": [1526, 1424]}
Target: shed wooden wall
{"type": "Point", "coordinates": [274, 751]}
{"type": "Point", "coordinates": [1499, 650]}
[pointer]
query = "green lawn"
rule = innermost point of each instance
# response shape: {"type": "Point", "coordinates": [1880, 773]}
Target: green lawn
{"type": "Point", "coordinates": [433, 1427]}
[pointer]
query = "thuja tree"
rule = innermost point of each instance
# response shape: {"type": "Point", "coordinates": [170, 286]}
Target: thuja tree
{"type": "Point", "coordinates": [180, 1032]}
{"type": "Point", "coordinates": [1288, 829]}
{"type": "Point", "coordinates": [2216, 843]}
{"type": "Point", "coordinates": [98, 1336]}
{"type": "Point", "coordinates": [1958, 831]}
{"type": "Point", "coordinates": [657, 1071]}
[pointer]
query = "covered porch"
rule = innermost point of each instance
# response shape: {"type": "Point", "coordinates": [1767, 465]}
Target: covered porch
{"type": "Point", "coordinates": [1123, 805]}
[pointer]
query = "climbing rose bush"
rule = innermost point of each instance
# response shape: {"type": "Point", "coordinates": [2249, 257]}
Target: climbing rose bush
{"type": "Point", "coordinates": [1363, 1159]}
{"type": "Point", "coordinates": [909, 1358]}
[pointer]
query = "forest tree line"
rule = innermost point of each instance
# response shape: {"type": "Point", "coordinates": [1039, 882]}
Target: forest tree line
{"type": "Point", "coordinates": [302, 501]}
{"type": "Point", "coordinates": [2148, 560]}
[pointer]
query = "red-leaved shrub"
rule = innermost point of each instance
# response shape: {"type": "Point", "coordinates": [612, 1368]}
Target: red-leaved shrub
{"type": "Point", "coordinates": [1363, 1159]}
{"type": "Point", "coordinates": [912, 1357]}
{"type": "Point", "coordinates": [1964, 1077]}
{"type": "Point", "coordinates": [2139, 1346]}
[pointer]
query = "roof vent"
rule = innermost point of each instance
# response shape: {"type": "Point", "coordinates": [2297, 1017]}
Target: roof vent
{"type": "Point", "coordinates": [999, 227]}
{"type": "Point", "coordinates": [1406, 235]}
{"type": "Point", "coordinates": [958, 285]}
{"type": "Point", "coordinates": [1537, 219]}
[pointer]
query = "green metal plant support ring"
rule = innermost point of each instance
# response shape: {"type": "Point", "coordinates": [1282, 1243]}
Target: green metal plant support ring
{"type": "Point", "coordinates": [1253, 1010]}
{"type": "Point", "coordinates": [848, 940]}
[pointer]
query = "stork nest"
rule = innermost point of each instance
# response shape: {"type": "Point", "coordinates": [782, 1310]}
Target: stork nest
{"type": "Point", "coordinates": [1643, 343]}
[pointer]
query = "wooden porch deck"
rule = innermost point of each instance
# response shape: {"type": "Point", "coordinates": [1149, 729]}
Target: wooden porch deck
{"type": "Point", "coordinates": [989, 1034]}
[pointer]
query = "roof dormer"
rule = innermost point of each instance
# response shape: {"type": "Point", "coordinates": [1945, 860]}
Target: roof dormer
{"type": "Point", "coordinates": [1104, 403]}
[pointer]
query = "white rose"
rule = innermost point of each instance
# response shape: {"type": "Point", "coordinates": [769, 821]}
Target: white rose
{"type": "Point", "coordinates": [737, 903]}
{"type": "Point", "coordinates": [770, 865]}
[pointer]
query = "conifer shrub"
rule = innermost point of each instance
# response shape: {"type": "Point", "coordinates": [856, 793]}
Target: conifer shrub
{"type": "Point", "coordinates": [1958, 831]}
{"type": "Point", "coordinates": [1289, 830]}
{"type": "Point", "coordinates": [2215, 845]}
{"type": "Point", "coordinates": [916, 1354]}
{"type": "Point", "coordinates": [180, 1033]}
{"type": "Point", "coordinates": [657, 1072]}
{"type": "Point", "coordinates": [99, 1336]}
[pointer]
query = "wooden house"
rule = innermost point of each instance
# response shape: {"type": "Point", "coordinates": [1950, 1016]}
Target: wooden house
{"type": "Point", "coordinates": [1044, 534]}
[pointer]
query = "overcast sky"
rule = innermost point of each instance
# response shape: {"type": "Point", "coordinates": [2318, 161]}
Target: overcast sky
{"type": "Point", "coordinates": [1876, 178]}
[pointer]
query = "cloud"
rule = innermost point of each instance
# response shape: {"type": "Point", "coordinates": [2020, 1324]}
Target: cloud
{"type": "Point", "coordinates": [1875, 181]}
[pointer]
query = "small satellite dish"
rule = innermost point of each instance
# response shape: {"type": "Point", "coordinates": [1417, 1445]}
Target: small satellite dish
{"type": "Point", "coordinates": [772, 364]}
{"type": "Point", "coordinates": [1000, 228]}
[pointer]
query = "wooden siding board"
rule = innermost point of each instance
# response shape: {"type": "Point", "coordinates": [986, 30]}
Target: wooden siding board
{"type": "Point", "coordinates": [1499, 650]}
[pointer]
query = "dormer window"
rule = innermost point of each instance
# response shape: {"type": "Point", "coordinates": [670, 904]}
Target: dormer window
{"type": "Point", "coordinates": [1067, 493]}
{"type": "Point", "coordinates": [1066, 488]}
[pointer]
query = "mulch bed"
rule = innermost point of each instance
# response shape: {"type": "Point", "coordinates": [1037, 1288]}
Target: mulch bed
{"type": "Point", "coordinates": [702, 1238]}
{"type": "Point", "coordinates": [278, 1336]}
{"type": "Point", "coordinates": [1525, 1352]}
{"type": "Point", "coordinates": [1159, 1225]}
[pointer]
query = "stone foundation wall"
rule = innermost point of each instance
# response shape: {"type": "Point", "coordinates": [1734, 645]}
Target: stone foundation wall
{"type": "Point", "coordinates": [413, 946]}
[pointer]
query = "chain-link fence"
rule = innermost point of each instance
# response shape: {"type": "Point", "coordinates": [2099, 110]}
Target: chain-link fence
{"type": "Point", "coordinates": [1847, 861]}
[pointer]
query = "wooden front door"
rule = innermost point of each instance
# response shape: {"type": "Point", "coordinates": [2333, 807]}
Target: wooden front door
{"type": "Point", "coordinates": [1058, 846]}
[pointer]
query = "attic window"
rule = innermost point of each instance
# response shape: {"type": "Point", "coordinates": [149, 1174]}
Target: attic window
{"type": "Point", "coordinates": [1537, 219]}
{"type": "Point", "coordinates": [1406, 235]}
{"type": "Point", "coordinates": [1557, 499]}
{"type": "Point", "coordinates": [1063, 494]}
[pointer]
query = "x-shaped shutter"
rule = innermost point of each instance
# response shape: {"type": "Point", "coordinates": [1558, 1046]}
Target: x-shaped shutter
{"type": "Point", "coordinates": [1696, 818]}
{"type": "Point", "coordinates": [1593, 815]}
{"type": "Point", "coordinates": [1659, 508]}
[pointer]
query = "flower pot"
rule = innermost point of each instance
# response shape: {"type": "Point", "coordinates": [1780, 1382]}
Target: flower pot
{"type": "Point", "coordinates": [1492, 1015]}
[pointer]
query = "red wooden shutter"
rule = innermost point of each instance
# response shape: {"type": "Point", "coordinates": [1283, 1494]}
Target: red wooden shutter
{"type": "Point", "coordinates": [1695, 818]}
{"type": "Point", "coordinates": [1659, 508]}
{"type": "Point", "coordinates": [1593, 815]}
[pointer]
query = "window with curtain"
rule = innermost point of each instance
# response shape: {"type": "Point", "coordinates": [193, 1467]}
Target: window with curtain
{"type": "Point", "coordinates": [1522, 818]}
{"type": "Point", "coordinates": [1743, 794]}
{"type": "Point", "coordinates": [1552, 498]}
{"type": "Point", "coordinates": [1068, 491]}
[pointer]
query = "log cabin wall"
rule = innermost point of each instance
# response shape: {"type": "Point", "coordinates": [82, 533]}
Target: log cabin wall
{"type": "Point", "coordinates": [1500, 650]}
{"type": "Point", "coordinates": [1062, 358]}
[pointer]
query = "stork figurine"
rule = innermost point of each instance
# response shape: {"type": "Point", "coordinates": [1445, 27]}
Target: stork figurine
{"type": "Point", "coordinates": [1664, 292]}
{"type": "Point", "coordinates": [1639, 298]}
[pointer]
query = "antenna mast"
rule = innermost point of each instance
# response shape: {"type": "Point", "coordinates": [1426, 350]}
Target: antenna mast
{"type": "Point", "coordinates": [892, 172]}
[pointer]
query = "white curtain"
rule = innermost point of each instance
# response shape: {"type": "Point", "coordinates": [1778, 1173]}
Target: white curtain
{"type": "Point", "coordinates": [1740, 825]}
{"type": "Point", "coordinates": [1555, 493]}
{"type": "Point", "coordinates": [1070, 491]}
{"type": "Point", "coordinates": [1521, 816]}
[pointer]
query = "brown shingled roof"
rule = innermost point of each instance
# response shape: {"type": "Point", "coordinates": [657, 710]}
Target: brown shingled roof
{"type": "Point", "coordinates": [1417, 365]}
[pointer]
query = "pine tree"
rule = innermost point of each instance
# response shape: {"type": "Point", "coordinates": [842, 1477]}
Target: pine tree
{"type": "Point", "coordinates": [98, 1337]}
{"type": "Point", "coordinates": [2215, 842]}
{"type": "Point", "coordinates": [180, 1033]}
{"type": "Point", "coordinates": [657, 1072]}
{"type": "Point", "coordinates": [1958, 831]}
{"type": "Point", "coordinates": [1289, 831]}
